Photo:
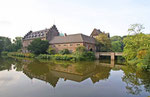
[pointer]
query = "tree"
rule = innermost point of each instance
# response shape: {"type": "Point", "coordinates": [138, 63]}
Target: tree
{"type": "Point", "coordinates": [103, 42]}
{"type": "Point", "coordinates": [137, 48]}
{"type": "Point", "coordinates": [135, 42]}
{"type": "Point", "coordinates": [136, 29]}
{"type": "Point", "coordinates": [116, 38]}
{"type": "Point", "coordinates": [16, 45]}
{"type": "Point", "coordinates": [5, 42]}
{"type": "Point", "coordinates": [38, 46]}
{"type": "Point", "coordinates": [117, 44]}
{"type": "Point", "coordinates": [1, 46]}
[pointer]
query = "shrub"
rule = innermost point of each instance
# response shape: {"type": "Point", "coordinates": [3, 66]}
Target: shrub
{"type": "Point", "coordinates": [44, 56]}
{"type": "Point", "coordinates": [63, 57]}
{"type": "Point", "coordinates": [4, 53]}
{"type": "Point", "coordinates": [64, 51]}
{"type": "Point", "coordinates": [90, 55]}
{"type": "Point", "coordinates": [81, 49]}
{"type": "Point", "coordinates": [19, 50]}
{"type": "Point", "coordinates": [27, 55]}
{"type": "Point", "coordinates": [82, 56]}
{"type": "Point", "coordinates": [51, 50]}
{"type": "Point", "coordinates": [57, 57]}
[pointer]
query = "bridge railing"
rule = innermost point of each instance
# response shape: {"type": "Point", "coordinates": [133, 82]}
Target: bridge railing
{"type": "Point", "coordinates": [109, 53]}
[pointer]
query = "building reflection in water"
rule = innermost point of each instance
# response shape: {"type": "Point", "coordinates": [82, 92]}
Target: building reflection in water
{"type": "Point", "coordinates": [51, 72]}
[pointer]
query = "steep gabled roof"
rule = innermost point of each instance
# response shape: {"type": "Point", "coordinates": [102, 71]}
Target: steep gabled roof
{"type": "Point", "coordinates": [95, 32]}
{"type": "Point", "coordinates": [74, 38]}
{"type": "Point", "coordinates": [40, 33]}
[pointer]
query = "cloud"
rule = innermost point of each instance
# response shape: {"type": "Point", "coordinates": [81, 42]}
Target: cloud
{"type": "Point", "coordinates": [5, 22]}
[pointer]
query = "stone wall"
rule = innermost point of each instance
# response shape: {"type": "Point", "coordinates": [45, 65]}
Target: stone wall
{"type": "Point", "coordinates": [72, 46]}
{"type": "Point", "coordinates": [90, 47]}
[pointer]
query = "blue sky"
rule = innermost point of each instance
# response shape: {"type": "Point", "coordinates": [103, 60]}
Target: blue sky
{"type": "Point", "coordinates": [17, 17]}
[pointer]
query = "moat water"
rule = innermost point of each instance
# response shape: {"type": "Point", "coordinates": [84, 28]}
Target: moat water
{"type": "Point", "coordinates": [41, 78]}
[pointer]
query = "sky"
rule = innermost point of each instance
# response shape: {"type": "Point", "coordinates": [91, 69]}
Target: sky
{"type": "Point", "coordinates": [17, 17]}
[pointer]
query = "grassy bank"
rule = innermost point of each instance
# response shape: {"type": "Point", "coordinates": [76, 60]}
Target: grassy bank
{"type": "Point", "coordinates": [17, 54]}
{"type": "Point", "coordinates": [66, 57]}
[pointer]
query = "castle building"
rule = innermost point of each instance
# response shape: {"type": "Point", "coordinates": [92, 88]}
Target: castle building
{"type": "Point", "coordinates": [71, 42]}
{"type": "Point", "coordinates": [46, 34]}
{"type": "Point", "coordinates": [58, 42]}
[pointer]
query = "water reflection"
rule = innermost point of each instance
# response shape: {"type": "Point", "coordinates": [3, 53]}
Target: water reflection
{"type": "Point", "coordinates": [135, 82]}
{"type": "Point", "coordinates": [5, 63]}
{"type": "Point", "coordinates": [134, 79]}
{"type": "Point", "coordinates": [51, 72]}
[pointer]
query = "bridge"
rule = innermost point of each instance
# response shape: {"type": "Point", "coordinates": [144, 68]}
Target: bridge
{"type": "Point", "coordinates": [111, 54]}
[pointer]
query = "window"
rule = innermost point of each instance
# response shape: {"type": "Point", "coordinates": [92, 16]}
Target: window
{"type": "Point", "coordinates": [78, 44]}
{"type": "Point", "coordinates": [59, 45]}
{"type": "Point", "coordinates": [64, 44]}
{"type": "Point", "coordinates": [70, 44]}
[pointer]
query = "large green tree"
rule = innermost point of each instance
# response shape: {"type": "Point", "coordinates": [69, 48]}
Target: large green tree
{"type": "Point", "coordinates": [38, 46]}
{"type": "Point", "coordinates": [16, 45]}
{"type": "Point", "coordinates": [117, 44]}
{"type": "Point", "coordinates": [103, 42]}
{"type": "Point", "coordinates": [7, 45]}
{"type": "Point", "coordinates": [137, 47]}
{"type": "Point", "coordinates": [5, 42]}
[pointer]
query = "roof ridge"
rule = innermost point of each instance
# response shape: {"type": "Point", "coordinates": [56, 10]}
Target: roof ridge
{"type": "Point", "coordinates": [74, 34]}
{"type": "Point", "coordinates": [39, 30]}
{"type": "Point", "coordinates": [82, 37]}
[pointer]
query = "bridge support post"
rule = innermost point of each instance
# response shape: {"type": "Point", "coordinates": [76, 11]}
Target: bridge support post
{"type": "Point", "coordinates": [112, 56]}
{"type": "Point", "coordinates": [112, 59]}
{"type": "Point", "coordinates": [97, 55]}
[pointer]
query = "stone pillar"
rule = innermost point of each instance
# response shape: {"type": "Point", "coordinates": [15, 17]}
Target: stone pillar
{"type": "Point", "coordinates": [113, 56]}
{"type": "Point", "coordinates": [113, 59]}
{"type": "Point", "coordinates": [97, 55]}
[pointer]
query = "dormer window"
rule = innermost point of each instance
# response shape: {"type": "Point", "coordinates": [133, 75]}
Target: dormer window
{"type": "Point", "coordinates": [42, 34]}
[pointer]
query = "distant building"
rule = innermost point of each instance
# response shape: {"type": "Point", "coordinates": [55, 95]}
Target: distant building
{"type": "Point", "coordinates": [96, 32]}
{"type": "Point", "coordinates": [46, 34]}
{"type": "Point", "coordinates": [71, 42]}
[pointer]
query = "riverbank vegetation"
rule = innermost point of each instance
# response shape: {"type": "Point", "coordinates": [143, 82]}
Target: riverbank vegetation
{"type": "Point", "coordinates": [137, 47]}
{"type": "Point", "coordinates": [19, 54]}
{"type": "Point", "coordinates": [81, 54]}
{"type": "Point", "coordinates": [7, 46]}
